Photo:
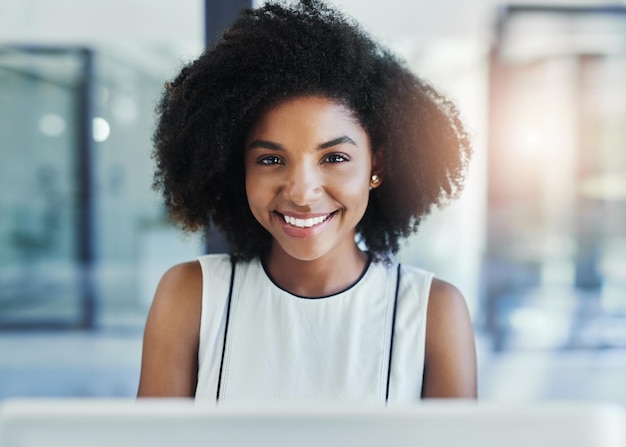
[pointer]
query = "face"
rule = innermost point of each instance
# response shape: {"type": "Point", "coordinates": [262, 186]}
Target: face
{"type": "Point", "coordinates": [308, 170]}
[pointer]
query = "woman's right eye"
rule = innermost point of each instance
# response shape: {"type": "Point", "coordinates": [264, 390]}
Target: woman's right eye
{"type": "Point", "coordinates": [269, 160]}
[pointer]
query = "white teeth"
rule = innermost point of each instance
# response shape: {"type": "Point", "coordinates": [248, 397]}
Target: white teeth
{"type": "Point", "coordinates": [305, 223]}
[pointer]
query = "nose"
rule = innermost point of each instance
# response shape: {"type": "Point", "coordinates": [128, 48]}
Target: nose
{"type": "Point", "coordinates": [303, 185]}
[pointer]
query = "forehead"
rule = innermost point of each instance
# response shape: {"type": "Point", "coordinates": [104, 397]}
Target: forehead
{"type": "Point", "coordinates": [314, 116]}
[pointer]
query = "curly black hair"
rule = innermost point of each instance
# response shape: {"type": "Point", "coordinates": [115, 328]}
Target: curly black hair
{"type": "Point", "coordinates": [282, 51]}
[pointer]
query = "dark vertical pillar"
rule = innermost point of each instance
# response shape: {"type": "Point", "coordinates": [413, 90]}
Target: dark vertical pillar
{"type": "Point", "coordinates": [84, 166]}
{"type": "Point", "coordinates": [590, 212]}
{"type": "Point", "coordinates": [218, 15]}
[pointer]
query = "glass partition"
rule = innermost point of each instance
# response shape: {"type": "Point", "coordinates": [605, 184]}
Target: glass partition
{"type": "Point", "coordinates": [83, 238]}
{"type": "Point", "coordinates": [556, 256]}
{"type": "Point", "coordinates": [40, 222]}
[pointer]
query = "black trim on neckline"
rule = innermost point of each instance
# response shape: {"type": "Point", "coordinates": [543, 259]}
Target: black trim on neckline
{"type": "Point", "coordinates": [358, 280]}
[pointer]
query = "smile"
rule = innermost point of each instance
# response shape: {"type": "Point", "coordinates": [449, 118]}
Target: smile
{"type": "Point", "coordinates": [305, 223]}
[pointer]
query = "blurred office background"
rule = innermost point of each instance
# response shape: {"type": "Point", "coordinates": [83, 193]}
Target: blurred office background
{"type": "Point", "coordinates": [536, 243]}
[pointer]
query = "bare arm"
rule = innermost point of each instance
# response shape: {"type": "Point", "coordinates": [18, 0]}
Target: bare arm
{"type": "Point", "coordinates": [169, 365]}
{"type": "Point", "coordinates": [450, 363]}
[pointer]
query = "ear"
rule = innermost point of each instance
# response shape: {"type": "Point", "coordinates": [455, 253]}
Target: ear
{"type": "Point", "coordinates": [376, 176]}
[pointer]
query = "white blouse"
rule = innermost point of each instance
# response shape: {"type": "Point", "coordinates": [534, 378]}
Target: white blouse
{"type": "Point", "coordinates": [259, 342]}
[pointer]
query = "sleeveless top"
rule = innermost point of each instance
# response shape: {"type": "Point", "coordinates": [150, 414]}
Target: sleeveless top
{"type": "Point", "coordinates": [259, 342]}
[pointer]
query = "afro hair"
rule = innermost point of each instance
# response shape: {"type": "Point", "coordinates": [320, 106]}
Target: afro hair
{"type": "Point", "coordinates": [281, 51]}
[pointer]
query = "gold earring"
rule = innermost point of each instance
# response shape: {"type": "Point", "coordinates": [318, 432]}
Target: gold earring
{"type": "Point", "coordinates": [375, 180]}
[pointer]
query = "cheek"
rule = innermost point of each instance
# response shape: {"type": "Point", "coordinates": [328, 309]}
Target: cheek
{"type": "Point", "coordinates": [353, 183]}
{"type": "Point", "coordinates": [352, 192]}
{"type": "Point", "coordinates": [256, 192]}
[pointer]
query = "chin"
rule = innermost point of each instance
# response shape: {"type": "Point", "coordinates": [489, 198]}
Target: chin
{"type": "Point", "coordinates": [303, 254]}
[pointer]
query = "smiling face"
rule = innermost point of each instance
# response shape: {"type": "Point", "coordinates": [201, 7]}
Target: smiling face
{"type": "Point", "coordinates": [308, 170]}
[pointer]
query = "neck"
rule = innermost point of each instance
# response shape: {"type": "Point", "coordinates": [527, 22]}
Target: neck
{"type": "Point", "coordinates": [324, 276]}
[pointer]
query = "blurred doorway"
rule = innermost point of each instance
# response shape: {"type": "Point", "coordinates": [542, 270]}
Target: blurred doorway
{"type": "Point", "coordinates": [45, 182]}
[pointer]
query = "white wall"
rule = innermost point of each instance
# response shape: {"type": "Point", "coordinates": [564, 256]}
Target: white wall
{"type": "Point", "coordinates": [151, 33]}
{"type": "Point", "coordinates": [88, 21]}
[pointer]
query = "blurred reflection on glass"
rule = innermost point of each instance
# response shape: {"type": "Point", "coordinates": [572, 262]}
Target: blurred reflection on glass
{"type": "Point", "coordinates": [39, 281]}
{"type": "Point", "coordinates": [83, 237]}
{"type": "Point", "coordinates": [556, 255]}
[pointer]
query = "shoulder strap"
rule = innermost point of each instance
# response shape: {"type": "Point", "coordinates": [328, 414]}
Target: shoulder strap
{"type": "Point", "coordinates": [393, 330]}
{"type": "Point", "coordinates": [233, 263]}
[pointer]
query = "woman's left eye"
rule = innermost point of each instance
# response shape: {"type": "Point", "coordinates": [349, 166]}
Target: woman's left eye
{"type": "Point", "coordinates": [335, 158]}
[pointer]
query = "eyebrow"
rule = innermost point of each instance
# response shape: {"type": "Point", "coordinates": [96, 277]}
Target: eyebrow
{"type": "Point", "coordinates": [341, 140]}
{"type": "Point", "coordinates": [264, 144]}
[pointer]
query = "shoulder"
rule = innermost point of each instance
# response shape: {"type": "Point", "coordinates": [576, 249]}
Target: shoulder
{"type": "Point", "coordinates": [179, 293]}
{"type": "Point", "coordinates": [171, 335]}
{"type": "Point", "coordinates": [415, 282]}
{"type": "Point", "coordinates": [447, 314]}
{"type": "Point", "coordinates": [215, 261]}
{"type": "Point", "coordinates": [446, 302]}
{"type": "Point", "coordinates": [181, 285]}
{"type": "Point", "coordinates": [450, 358]}
{"type": "Point", "coordinates": [177, 303]}
{"type": "Point", "coordinates": [414, 276]}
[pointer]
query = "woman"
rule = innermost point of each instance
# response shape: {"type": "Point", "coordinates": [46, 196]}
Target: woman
{"type": "Point", "coordinates": [315, 151]}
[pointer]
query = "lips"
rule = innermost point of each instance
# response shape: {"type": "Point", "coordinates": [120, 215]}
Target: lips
{"type": "Point", "coordinates": [304, 225]}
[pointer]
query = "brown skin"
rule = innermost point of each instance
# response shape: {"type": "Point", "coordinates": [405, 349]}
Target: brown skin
{"type": "Point", "coordinates": [169, 364]}
{"type": "Point", "coordinates": [306, 158]}
{"type": "Point", "coordinates": [450, 358]}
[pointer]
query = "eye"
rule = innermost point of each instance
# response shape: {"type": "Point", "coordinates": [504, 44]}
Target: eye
{"type": "Point", "coordinates": [269, 160]}
{"type": "Point", "coordinates": [336, 158]}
